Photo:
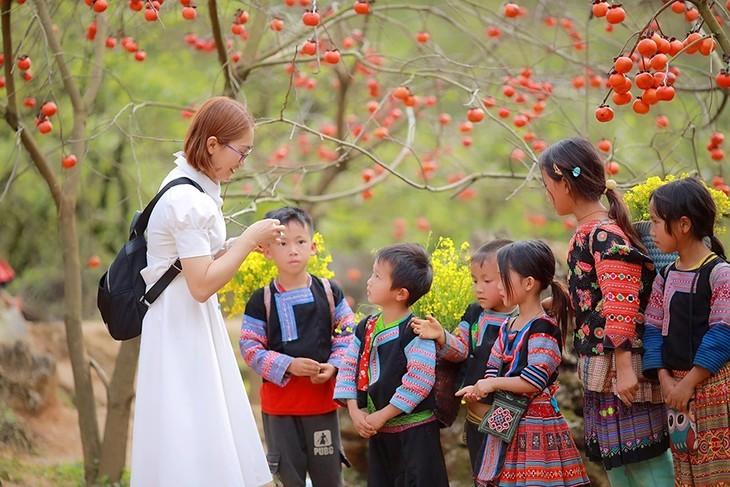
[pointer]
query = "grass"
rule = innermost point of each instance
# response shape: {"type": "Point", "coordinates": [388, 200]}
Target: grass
{"type": "Point", "coordinates": [20, 473]}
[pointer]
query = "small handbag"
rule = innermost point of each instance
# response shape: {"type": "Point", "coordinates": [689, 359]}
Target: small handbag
{"type": "Point", "coordinates": [682, 429]}
{"type": "Point", "coordinates": [504, 416]}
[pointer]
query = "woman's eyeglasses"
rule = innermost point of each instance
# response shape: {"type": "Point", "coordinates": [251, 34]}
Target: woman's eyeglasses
{"type": "Point", "coordinates": [243, 155]}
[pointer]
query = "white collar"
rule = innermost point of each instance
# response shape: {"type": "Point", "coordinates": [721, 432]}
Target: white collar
{"type": "Point", "coordinates": [184, 168]}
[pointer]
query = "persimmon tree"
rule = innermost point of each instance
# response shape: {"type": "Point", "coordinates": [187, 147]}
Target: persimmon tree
{"type": "Point", "coordinates": [379, 104]}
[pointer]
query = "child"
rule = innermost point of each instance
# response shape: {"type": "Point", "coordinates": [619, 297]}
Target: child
{"type": "Point", "coordinates": [688, 330]}
{"type": "Point", "coordinates": [390, 371]}
{"type": "Point", "coordinates": [524, 361]}
{"type": "Point", "coordinates": [472, 341]}
{"type": "Point", "coordinates": [609, 280]}
{"type": "Point", "coordinates": [294, 334]}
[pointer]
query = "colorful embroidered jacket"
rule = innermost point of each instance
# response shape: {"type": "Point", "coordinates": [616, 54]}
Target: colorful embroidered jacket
{"type": "Point", "coordinates": [688, 318]}
{"type": "Point", "coordinates": [609, 282]}
{"type": "Point", "coordinates": [532, 353]}
{"type": "Point", "coordinates": [401, 370]}
{"type": "Point", "coordinates": [300, 325]}
{"type": "Point", "coordinates": [472, 341]}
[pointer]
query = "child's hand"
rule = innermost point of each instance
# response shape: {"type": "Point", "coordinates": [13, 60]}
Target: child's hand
{"type": "Point", "coordinates": [363, 428]}
{"type": "Point", "coordinates": [680, 395]}
{"type": "Point", "coordinates": [627, 384]}
{"type": "Point", "coordinates": [428, 328]}
{"type": "Point", "coordinates": [667, 383]}
{"type": "Point", "coordinates": [468, 393]}
{"type": "Point", "coordinates": [303, 367]}
{"type": "Point", "coordinates": [377, 420]}
{"type": "Point", "coordinates": [477, 391]}
{"type": "Point", "coordinates": [326, 372]}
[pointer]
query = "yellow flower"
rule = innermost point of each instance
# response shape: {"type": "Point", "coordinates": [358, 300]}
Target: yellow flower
{"type": "Point", "coordinates": [637, 199]}
{"type": "Point", "coordinates": [257, 271]}
{"type": "Point", "coordinates": [451, 291]}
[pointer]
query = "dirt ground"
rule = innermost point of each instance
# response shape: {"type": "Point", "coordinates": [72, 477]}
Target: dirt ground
{"type": "Point", "coordinates": [54, 432]}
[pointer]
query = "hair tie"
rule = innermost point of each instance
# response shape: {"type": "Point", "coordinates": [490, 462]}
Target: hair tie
{"type": "Point", "coordinates": [707, 240]}
{"type": "Point", "coordinates": [610, 185]}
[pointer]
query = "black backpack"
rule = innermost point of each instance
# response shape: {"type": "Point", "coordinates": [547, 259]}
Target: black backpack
{"type": "Point", "coordinates": [121, 298]}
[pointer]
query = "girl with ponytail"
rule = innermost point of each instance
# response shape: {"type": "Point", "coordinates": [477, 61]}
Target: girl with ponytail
{"type": "Point", "coordinates": [688, 329]}
{"type": "Point", "coordinates": [524, 362]}
{"type": "Point", "coordinates": [609, 282]}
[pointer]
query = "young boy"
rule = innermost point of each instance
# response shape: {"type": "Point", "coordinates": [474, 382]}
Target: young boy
{"type": "Point", "coordinates": [472, 341]}
{"type": "Point", "coordinates": [295, 332]}
{"type": "Point", "coordinates": [389, 371]}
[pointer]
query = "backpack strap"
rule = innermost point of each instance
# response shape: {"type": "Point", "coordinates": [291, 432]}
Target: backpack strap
{"type": "Point", "coordinates": [267, 301]}
{"type": "Point", "coordinates": [139, 226]}
{"type": "Point", "coordinates": [330, 297]}
{"type": "Point", "coordinates": [327, 290]}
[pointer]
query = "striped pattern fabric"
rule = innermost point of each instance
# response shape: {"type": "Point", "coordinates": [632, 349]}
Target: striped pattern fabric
{"type": "Point", "coordinates": [709, 464]}
{"type": "Point", "coordinates": [713, 351]}
{"type": "Point", "coordinates": [456, 346]}
{"type": "Point", "coordinates": [254, 344]}
{"type": "Point", "coordinates": [618, 435]}
{"type": "Point", "coordinates": [346, 385]}
{"type": "Point", "coordinates": [620, 282]}
{"type": "Point", "coordinates": [542, 454]}
{"type": "Point", "coordinates": [416, 383]}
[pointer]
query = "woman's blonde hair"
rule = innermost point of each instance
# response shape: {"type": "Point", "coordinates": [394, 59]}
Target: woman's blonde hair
{"type": "Point", "coordinates": [225, 119]}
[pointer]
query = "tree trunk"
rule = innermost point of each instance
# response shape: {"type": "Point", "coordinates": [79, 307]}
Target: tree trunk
{"type": "Point", "coordinates": [83, 390]}
{"type": "Point", "coordinates": [116, 430]}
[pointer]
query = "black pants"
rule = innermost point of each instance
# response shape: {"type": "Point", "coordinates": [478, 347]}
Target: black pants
{"type": "Point", "coordinates": [301, 445]}
{"type": "Point", "coordinates": [410, 458]}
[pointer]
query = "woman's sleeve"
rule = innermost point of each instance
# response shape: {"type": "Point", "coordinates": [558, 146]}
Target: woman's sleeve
{"type": "Point", "coordinates": [714, 352]}
{"type": "Point", "coordinates": [619, 271]}
{"type": "Point", "coordinates": [653, 338]}
{"type": "Point", "coordinates": [191, 215]}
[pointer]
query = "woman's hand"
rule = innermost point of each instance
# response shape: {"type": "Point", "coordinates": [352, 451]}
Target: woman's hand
{"type": "Point", "coordinates": [261, 233]}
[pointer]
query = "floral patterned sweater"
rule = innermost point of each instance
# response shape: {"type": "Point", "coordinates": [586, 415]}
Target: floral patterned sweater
{"type": "Point", "coordinates": [609, 282]}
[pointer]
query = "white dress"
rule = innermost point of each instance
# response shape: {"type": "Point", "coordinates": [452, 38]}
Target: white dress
{"type": "Point", "coordinates": [193, 425]}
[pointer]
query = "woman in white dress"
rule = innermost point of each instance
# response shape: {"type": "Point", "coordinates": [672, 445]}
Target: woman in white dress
{"type": "Point", "coordinates": [193, 424]}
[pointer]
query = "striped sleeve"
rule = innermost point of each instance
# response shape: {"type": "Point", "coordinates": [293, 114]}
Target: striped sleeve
{"type": "Point", "coordinates": [714, 352]}
{"type": "Point", "coordinates": [346, 382]}
{"type": "Point", "coordinates": [253, 342]}
{"type": "Point", "coordinates": [652, 339]}
{"type": "Point", "coordinates": [456, 347]}
{"type": "Point", "coordinates": [420, 375]}
{"type": "Point", "coordinates": [494, 362]}
{"type": "Point", "coordinates": [342, 328]}
{"type": "Point", "coordinates": [620, 282]}
{"type": "Point", "coordinates": [543, 358]}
